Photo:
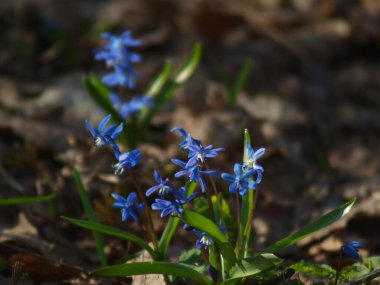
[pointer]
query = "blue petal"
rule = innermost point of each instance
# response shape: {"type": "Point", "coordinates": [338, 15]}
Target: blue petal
{"type": "Point", "coordinates": [91, 129]}
{"type": "Point", "coordinates": [131, 198]}
{"type": "Point", "coordinates": [118, 197]}
{"type": "Point", "coordinates": [103, 123]}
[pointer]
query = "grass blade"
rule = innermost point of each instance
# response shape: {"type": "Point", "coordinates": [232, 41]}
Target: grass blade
{"type": "Point", "coordinates": [27, 200]}
{"type": "Point", "coordinates": [104, 229]}
{"type": "Point", "coordinates": [317, 225]}
{"type": "Point", "coordinates": [90, 215]}
{"type": "Point", "coordinates": [142, 268]}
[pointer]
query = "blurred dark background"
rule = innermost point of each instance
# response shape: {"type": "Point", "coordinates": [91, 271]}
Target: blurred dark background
{"type": "Point", "coordinates": [312, 99]}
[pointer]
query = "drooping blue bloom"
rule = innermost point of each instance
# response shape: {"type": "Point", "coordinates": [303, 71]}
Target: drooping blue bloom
{"type": "Point", "coordinates": [163, 186]}
{"type": "Point", "coordinates": [174, 204]}
{"type": "Point", "coordinates": [253, 158]}
{"type": "Point", "coordinates": [135, 105]}
{"type": "Point", "coordinates": [240, 182]}
{"type": "Point", "coordinates": [194, 172]}
{"type": "Point", "coordinates": [128, 207]}
{"type": "Point", "coordinates": [117, 55]}
{"type": "Point", "coordinates": [199, 153]}
{"type": "Point", "coordinates": [105, 136]}
{"type": "Point", "coordinates": [351, 249]}
{"type": "Point", "coordinates": [126, 160]}
{"type": "Point", "coordinates": [203, 241]}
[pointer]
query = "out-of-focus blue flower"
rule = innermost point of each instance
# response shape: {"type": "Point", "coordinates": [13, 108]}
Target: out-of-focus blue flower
{"type": "Point", "coordinates": [117, 55]}
{"type": "Point", "coordinates": [105, 136]}
{"type": "Point", "coordinates": [203, 241]}
{"type": "Point", "coordinates": [199, 153]}
{"type": "Point", "coordinates": [240, 182]}
{"type": "Point", "coordinates": [126, 160]}
{"type": "Point", "coordinates": [162, 186]}
{"type": "Point", "coordinates": [193, 172]}
{"type": "Point", "coordinates": [174, 205]}
{"type": "Point", "coordinates": [135, 105]}
{"type": "Point", "coordinates": [128, 207]}
{"type": "Point", "coordinates": [183, 134]}
{"type": "Point", "coordinates": [351, 249]}
{"type": "Point", "coordinates": [253, 155]}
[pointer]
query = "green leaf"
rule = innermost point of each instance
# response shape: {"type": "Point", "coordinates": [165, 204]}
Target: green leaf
{"type": "Point", "coordinates": [104, 229]}
{"type": "Point", "coordinates": [3, 263]}
{"type": "Point", "coordinates": [90, 215]}
{"type": "Point", "coordinates": [157, 267]}
{"type": "Point", "coordinates": [188, 68]}
{"type": "Point", "coordinates": [246, 208]}
{"type": "Point", "coordinates": [251, 266]}
{"type": "Point", "coordinates": [172, 224]}
{"type": "Point", "coordinates": [193, 259]}
{"type": "Point", "coordinates": [320, 270]}
{"type": "Point", "coordinates": [27, 200]}
{"type": "Point", "coordinates": [240, 81]}
{"type": "Point", "coordinates": [160, 81]}
{"type": "Point", "coordinates": [99, 92]}
{"type": "Point", "coordinates": [203, 224]}
{"type": "Point", "coordinates": [317, 225]}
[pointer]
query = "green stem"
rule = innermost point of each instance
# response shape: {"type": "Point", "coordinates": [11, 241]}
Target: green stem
{"type": "Point", "coordinates": [238, 245]}
{"type": "Point", "coordinates": [338, 268]}
{"type": "Point", "coordinates": [248, 225]}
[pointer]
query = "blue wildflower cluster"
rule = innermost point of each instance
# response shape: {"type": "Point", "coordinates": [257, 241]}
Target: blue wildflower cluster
{"type": "Point", "coordinates": [118, 56]}
{"type": "Point", "coordinates": [243, 178]}
{"type": "Point", "coordinates": [106, 136]}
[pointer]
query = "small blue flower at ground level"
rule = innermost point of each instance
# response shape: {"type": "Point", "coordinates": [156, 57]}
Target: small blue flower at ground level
{"type": "Point", "coordinates": [128, 207]}
{"type": "Point", "coordinates": [193, 172]}
{"type": "Point", "coordinates": [203, 241]}
{"type": "Point", "coordinates": [351, 249]}
{"type": "Point", "coordinates": [162, 186]}
{"type": "Point", "coordinates": [126, 160]}
{"type": "Point", "coordinates": [199, 153]}
{"type": "Point", "coordinates": [173, 206]}
{"type": "Point", "coordinates": [117, 55]}
{"type": "Point", "coordinates": [240, 182]}
{"type": "Point", "coordinates": [135, 105]}
{"type": "Point", "coordinates": [105, 136]}
{"type": "Point", "coordinates": [253, 155]}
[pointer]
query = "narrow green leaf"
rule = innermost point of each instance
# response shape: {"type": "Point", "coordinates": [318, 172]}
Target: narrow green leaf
{"type": "Point", "coordinates": [160, 80]}
{"type": "Point", "coordinates": [90, 215]}
{"type": "Point", "coordinates": [99, 92]}
{"type": "Point", "coordinates": [240, 81]}
{"type": "Point", "coordinates": [317, 225]}
{"type": "Point", "coordinates": [188, 68]}
{"type": "Point", "coordinates": [172, 224]}
{"type": "Point", "coordinates": [201, 223]}
{"type": "Point", "coordinates": [246, 209]}
{"type": "Point", "coordinates": [157, 267]}
{"type": "Point", "coordinates": [3, 263]}
{"type": "Point", "coordinates": [27, 200]}
{"type": "Point", "coordinates": [104, 229]}
{"type": "Point", "coordinates": [251, 266]}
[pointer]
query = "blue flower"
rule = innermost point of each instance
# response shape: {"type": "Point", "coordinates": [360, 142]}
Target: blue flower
{"type": "Point", "coordinates": [162, 186]}
{"type": "Point", "coordinates": [199, 153]}
{"type": "Point", "coordinates": [126, 160]}
{"type": "Point", "coordinates": [193, 172]}
{"type": "Point", "coordinates": [203, 241]}
{"type": "Point", "coordinates": [105, 136]}
{"type": "Point", "coordinates": [135, 105]}
{"type": "Point", "coordinates": [173, 206]}
{"type": "Point", "coordinates": [128, 207]}
{"type": "Point", "coordinates": [253, 155]}
{"type": "Point", "coordinates": [240, 182]}
{"type": "Point", "coordinates": [351, 249]}
{"type": "Point", "coordinates": [117, 55]}
{"type": "Point", "coordinates": [183, 134]}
